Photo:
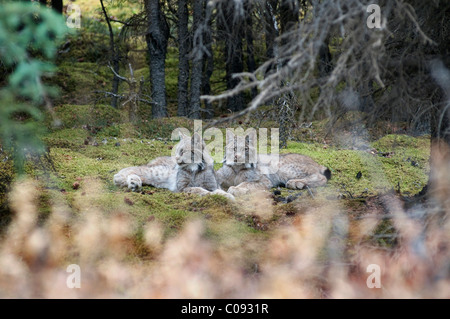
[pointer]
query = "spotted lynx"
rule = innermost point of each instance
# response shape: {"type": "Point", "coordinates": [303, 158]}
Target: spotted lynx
{"type": "Point", "coordinates": [247, 171]}
{"type": "Point", "coordinates": [190, 170]}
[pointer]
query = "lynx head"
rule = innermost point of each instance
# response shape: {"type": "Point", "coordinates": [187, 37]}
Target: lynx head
{"type": "Point", "coordinates": [241, 149]}
{"type": "Point", "coordinates": [191, 153]}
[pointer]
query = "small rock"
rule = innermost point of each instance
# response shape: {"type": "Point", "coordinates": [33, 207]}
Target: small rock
{"type": "Point", "coordinates": [76, 185]}
{"type": "Point", "coordinates": [117, 144]}
{"type": "Point", "coordinates": [290, 198]}
{"type": "Point", "coordinates": [280, 199]}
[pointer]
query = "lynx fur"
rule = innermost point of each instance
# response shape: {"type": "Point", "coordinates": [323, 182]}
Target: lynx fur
{"type": "Point", "coordinates": [190, 170]}
{"type": "Point", "coordinates": [248, 171]}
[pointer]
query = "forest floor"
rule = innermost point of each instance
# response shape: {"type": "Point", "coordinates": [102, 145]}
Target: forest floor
{"type": "Point", "coordinates": [93, 141]}
{"type": "Point", "coordinates": [93, 144]}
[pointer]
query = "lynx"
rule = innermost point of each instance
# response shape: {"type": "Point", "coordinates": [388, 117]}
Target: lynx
{"type": "Point", "coordinates": [241, 175]}
{"type": "Point", "coordinates": [160, 172]}
{"type": "Point", "coordinates": [190, 170]}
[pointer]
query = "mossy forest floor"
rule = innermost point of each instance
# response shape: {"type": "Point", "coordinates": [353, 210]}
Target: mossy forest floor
{"type": "Point", "coordinates": [93, 141]}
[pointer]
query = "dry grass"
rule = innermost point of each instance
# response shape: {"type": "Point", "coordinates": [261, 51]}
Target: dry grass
{"type": "Point", "coordinates": [321, 253]}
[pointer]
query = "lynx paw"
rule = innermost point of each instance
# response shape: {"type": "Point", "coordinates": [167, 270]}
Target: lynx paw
{"type": "Point", "coordinates": [223, 193]}
{"type": "Point", "coordinates": [238, 191]}
{"type": "Point", "coordinates": [134, 183]}
{"type": "Point", "coordinates": [295, 184]}
{"type": "Point", "coordinates": [196, 190]}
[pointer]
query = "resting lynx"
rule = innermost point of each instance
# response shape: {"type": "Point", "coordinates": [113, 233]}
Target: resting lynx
{"type": "Point", "coordinates": [160, 172]}
{"type": "Point", "coordinates": [241, 174]}
{"type": "Point", "coordinates": [190, 170]}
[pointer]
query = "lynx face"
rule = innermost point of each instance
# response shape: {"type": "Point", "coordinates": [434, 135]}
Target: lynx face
{"type": "Point", "coordinates": [241, 150]}
{"type": "Point", "coordinates": [191, 153]}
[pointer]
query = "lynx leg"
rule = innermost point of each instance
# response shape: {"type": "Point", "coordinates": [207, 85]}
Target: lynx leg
{"type": "Point", "coordinates": [246, 188]}
{"type": "Point", "coordinates": [196, 190]}
{"type": "Point", "coordinates": [223, 193]}
{"type": "Point", "coordinates": [296, 184]}
{"type": "Point", "coordinates": [314, 180]}
{"type": "Point", "coordinates": [238, 190]}
{"type": "Point", "coordinates": [134, 182]}
{"type": "Point", "coordinates": [202, 192]}
{"type": "Point", "coordinates": [120, 180]}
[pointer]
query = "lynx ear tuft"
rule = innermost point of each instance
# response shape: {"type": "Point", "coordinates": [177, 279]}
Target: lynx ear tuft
{"type": "Point", "coordinates": [230, 136]}
{"type": "Point", "coordinates": [182, 135]}
{"type": "Point", "coordinates": [197, 136]}
{"type": "Point", "coordinates": [251, 137]}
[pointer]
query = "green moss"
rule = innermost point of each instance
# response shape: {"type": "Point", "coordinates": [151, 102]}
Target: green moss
{"type": "Point", "coordinates": [379, 173]}
{"type": "Point", "coordinates": [125, 130]}
{"type": "Point", "coordinates": [44, 205]}
{"type": "Point", "coordinates": [405, 161]}
{"type": "Point", "coordinates": [162, 128]}
{"type": "Point", "coordinates": [66, 138]}
{"type": "Point", "coordinates": [86, 45]}
{"type": "Point", "coordinates": [79, 81]}
{"type": "Point", "coordinates": [7, 175]}
{"type": "Point", "coordinates": [92, 117]}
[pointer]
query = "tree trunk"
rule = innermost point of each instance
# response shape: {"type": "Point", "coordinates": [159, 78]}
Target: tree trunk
{"type": "Point", "coordinates": [251, 64]}
{"type": "Point", "coordinates": [183, 58]}
{"type": "Point", "coordinates": [289, 15]}
{"type": "Point", "coordinates": [440, 140]}
{"type": "Point", "coordinates": [114, 59]}
{"type": "Point", "coordinates": [57, 5]}
{"type": "Point", "coordinates": [197, 60]}
{"type": "Point", "coordinates": [208, 62]}
{"type": "Point", "coordinates": [325, 65]}
{"type": "Point", "coordinates": [157, 37]}
{"type": "Point", "coordinates": [271, 32]}
{"type": "Point", "coordinates": [231, 24]}
{"type": "Point", "coordinates": [440, 98]}
{"type": "Point", "coordinates": [440, 114]}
